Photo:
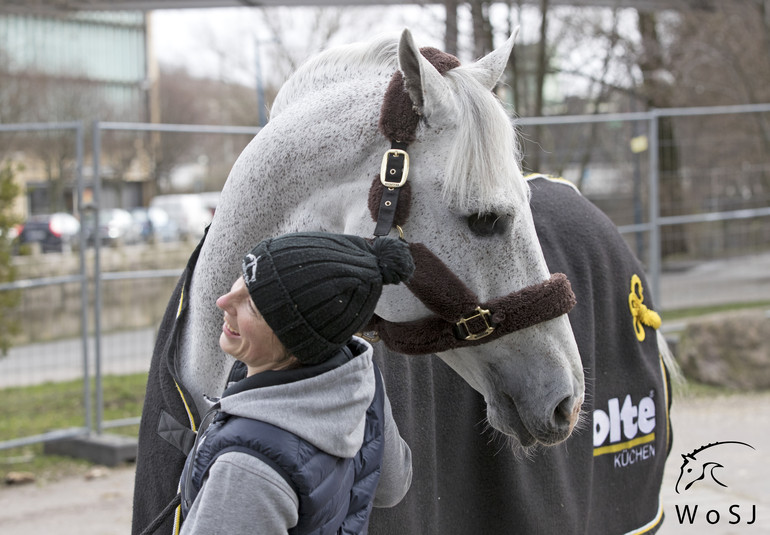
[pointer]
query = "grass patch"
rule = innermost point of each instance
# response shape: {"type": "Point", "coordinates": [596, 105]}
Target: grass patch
{"type": "Point", "coordinates": [34, 410]}
{"type": "Point", "coordinates": [681, 313]}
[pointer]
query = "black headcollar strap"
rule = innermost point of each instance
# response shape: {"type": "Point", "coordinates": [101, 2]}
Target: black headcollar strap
{"type": "Point", "coordinates": [398, 122]}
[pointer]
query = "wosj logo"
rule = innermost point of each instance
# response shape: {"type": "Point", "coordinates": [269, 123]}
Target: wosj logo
{"type": "Point", "coordinates": [709, 467]}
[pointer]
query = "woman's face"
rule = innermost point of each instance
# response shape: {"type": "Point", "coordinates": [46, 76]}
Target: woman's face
{"type": "Point", "coordinates": [246, 335]}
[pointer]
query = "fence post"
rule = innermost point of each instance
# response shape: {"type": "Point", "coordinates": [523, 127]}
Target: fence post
{"type": "Point", "coordinates": [654, 208]}
{"type": "Point", "coordinates": [97, 281]}
{"type": "Point", "coordinates": [79, 142]}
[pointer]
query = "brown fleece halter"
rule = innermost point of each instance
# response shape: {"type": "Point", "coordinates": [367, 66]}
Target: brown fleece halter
{"type": "Point", "coordinates": [460, 319]}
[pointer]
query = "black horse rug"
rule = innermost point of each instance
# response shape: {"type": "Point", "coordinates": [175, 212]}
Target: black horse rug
{"type": "Point", "coordinates": [604, 479]}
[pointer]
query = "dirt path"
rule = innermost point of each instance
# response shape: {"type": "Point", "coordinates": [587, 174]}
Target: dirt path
{"type": "Point", "coordinates": [72, 506]}
{"type": "Point", "coordinates": [102, 506]}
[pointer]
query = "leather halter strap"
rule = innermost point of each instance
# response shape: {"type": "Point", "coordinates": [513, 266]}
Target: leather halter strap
{"type": "Point", "coordinates": [398, 122]}
{"type": "Point", "coordinates": [460, 320]}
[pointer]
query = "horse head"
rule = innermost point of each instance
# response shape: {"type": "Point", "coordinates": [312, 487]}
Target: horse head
{"type": "Point", "coordinates": [315, 167]}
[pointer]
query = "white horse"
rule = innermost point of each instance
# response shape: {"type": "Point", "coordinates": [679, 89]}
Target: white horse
{"type": "Point", "coordinates": [482, 237]}
{"type": "Point", "coordinates": [311, 168]}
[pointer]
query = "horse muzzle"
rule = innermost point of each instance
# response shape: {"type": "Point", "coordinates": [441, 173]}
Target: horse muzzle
{"type": "Point", "coordinates": [552, 425]}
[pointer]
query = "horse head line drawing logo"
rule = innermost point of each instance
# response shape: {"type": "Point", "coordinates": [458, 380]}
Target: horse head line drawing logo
{"type": "Point", "coordinates": [697, 468]}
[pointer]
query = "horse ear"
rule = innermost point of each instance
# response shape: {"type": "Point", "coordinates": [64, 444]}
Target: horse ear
{"type": "Point", "coordinates": [489, 69]}
{"type": "Point", "coordinates": [427, 89]}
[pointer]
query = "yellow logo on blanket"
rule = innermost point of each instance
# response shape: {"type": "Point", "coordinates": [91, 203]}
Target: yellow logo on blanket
{"type": "Point", "coordinates": [641, 314]}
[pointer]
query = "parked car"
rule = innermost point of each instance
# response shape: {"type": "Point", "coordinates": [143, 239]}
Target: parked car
{"type": "Point", "coordinates": [116, 227]}
{"type": "Point", "coordinates": [155, 225]}
{"type": "Point", "coordinates": [57, 232]}
{"type": "Point", "coordinates": [188, 211]}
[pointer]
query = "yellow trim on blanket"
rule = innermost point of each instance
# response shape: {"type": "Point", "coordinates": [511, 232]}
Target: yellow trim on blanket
{"type": "Point", "coordinates": [181, 395]}
{"type": "Point", "coordinates": [177, 519]}
{"type": "Point", "coordinates": [614, 448]}
{"type": "Point", "coordinates": [178, 510]}
{"type": "Point", "coordinates": [186, 408]}
{"type": "Point", "coordinates": [650, 525]}
{"type": "Point", "coordinates": [665, 393]}
{"type": "Point", "coordinates": [181, 300]}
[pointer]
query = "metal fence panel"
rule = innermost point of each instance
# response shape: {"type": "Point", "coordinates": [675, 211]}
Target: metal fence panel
{"type": "Point", "coordinates": [684, 186]}
{"type": "Point", "coordinates": [55, 297]}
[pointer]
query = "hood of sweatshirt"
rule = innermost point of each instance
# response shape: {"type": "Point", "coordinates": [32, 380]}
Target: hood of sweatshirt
{"type": "Point", "coordinates": [325, 405]}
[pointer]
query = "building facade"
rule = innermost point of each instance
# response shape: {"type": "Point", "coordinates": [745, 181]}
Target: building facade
{"type": "Point", "coordinates": [68, 67]}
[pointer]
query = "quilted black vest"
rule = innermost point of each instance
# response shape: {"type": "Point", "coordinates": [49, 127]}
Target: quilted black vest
{"type": "Point", "coordinates": [340, 507]}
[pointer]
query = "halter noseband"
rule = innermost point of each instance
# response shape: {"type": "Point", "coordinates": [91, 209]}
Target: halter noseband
{"type": "Point", "coordinates": [459, 320]}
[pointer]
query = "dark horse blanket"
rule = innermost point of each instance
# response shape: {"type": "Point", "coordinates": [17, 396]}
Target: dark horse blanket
{"type": "Point", "coordinates": [169, 419]}
{"type": "Point", "coordinates": [605, 479]}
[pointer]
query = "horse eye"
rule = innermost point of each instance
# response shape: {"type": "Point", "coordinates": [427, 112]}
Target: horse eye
{"type": "Point", "coordinates": [486, 225]}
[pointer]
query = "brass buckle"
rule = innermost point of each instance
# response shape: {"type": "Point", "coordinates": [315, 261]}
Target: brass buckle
{"type": "Point", "coordinates": [396, 153]}
{"type": "Point", "coordinates": [370, 336]}
{"type": "Point", "coordinates": [464, 331]}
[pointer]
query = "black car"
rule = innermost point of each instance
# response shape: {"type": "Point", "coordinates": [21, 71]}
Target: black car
{"type": "Point", "coordinates": [56, 232]}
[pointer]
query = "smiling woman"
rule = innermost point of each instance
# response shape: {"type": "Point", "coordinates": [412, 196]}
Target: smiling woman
{"type": "Point", "coordinates": [309, 412]}
{"type": "Point", "coordinates": [246, 336]}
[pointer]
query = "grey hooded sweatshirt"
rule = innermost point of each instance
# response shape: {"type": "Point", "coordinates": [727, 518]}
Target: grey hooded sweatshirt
{"type": "Point", "coordinates": [242, 494]}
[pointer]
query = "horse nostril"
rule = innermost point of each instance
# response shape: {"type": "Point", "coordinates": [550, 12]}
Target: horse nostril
{"type": "Point", "coordinates": [565, 412]}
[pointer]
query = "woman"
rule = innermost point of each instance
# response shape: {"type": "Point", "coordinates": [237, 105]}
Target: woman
{"type": "Point", "coordinates": [303, 439]}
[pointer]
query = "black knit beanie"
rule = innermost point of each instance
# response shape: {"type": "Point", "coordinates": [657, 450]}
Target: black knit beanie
{"type": "Point", "coordinates": [315, 290]}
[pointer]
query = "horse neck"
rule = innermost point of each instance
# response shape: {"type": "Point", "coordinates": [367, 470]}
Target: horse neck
{"type": "Point", "coordinates": [280, 183]}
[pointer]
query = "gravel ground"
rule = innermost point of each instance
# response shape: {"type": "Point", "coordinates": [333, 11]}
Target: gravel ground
{"type": "Point", "coordinates": [102, 505]}
{"type": "Point", "coordinates": [96, 506]}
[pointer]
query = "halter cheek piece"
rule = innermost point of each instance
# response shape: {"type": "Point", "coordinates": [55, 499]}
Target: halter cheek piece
{"type": "Point", "coordinates": [459, 320]}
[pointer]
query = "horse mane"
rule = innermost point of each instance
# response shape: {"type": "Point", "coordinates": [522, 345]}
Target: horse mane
{"type": "Point", "coordinates": [483, 173]}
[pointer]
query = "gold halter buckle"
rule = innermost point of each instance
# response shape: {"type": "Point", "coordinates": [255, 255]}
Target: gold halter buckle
{"type": "Point", "coordinates": [464, 330]}
{"type": "Point", "coordinates": [384, 176]}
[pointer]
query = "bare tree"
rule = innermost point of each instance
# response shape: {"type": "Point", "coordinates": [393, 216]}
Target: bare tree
{"type": "Point", "coordinates": [322, 25]}
{"type": "Point", "coordinates": [54, 100]}
{"type": "Point", "coordinates": [185, 99]}
{"type": "Point", "coordinates": [599, 92]}
{"type": "Point", "coordinates": [528, 69]}
{"type": "Point", "coordinates": [450, 34]}
{"type": "Point", "coordinates": [482, 28]}
{"type": "Point", "coordinates": [722, 57]}
{"type": "Point", "coordinates": [677, 58]}
{"type": "Point", "coordinates": [657, 91]}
